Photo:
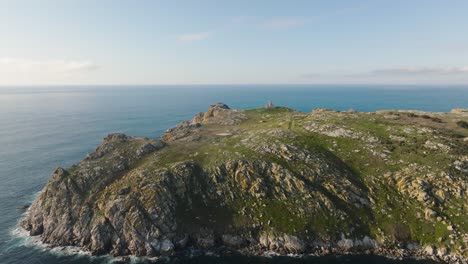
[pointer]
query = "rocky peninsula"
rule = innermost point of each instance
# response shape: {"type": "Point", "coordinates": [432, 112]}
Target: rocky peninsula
{"type": "Point", "coordinates": [269, 179]}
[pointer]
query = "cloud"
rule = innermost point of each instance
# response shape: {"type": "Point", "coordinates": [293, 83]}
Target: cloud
{"type": "Point", "coordinates": [192, 37]}
{"type": "Point", "coordinates": [421, 71]}
{"type": "Point", "coordinates": [408, 72]}
{"type": "Point", "coordinates": [20, 65]}
{"type": "Point", "coordinates": [311, 75]}
{"type": "Point", "coordinates": [401, 75]}
{"type": "Point", "coordinates": [283, 23]}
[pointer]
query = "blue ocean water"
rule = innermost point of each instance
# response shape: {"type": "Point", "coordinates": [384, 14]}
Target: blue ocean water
{"type": "Point", "coordinates": [45, 127]}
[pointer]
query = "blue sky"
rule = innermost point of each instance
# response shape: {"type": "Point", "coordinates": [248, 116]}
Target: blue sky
{"type": "Point", "coordinates": [233, 42]}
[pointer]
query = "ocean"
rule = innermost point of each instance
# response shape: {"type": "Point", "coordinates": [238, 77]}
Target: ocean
{"type": "Point", "coordinates": [45, 127]}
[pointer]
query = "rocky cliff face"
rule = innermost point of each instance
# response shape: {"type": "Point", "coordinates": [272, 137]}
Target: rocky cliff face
{"type": "Point", "coordinates": [269, 179]}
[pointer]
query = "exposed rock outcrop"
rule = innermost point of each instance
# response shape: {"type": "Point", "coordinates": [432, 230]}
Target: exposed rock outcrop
{"type": "Point", "coordinates": [459, 111]}
{"type": "Point", "coordinates": [219, 114]}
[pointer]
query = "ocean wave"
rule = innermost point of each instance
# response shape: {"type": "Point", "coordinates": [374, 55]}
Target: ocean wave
{"type": "Point", "coordinates": [21, 237]}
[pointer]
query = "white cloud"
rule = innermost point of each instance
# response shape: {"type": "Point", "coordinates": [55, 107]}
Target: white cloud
{"type": "Point", "coordinates": [403, 75]}
{"type": "Point", "coordinates": [192, 37]}
{"type": "Point", "coordinates": [419, 71]}
{"type": "Point", "coordinates": [408, 72]}
{"type": "Point", "coordinates": [283, 23]}
{"type": "Point", "coordinates": [21, 65]}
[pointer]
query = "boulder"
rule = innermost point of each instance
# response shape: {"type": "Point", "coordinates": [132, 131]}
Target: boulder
{"type": "Point", "coordinates": [442, 251]}
{"type": "Point", "coordinates": [167, 247]}
{"type": "Point", "coordinates": [233, 241]}
{"type": "Point", "coordinates": [368, 243]}
{"type": "Point", "coordinates": [205, 239]}
{"type": "Point", "coordinates": [429, 250]}
{"type": "Point", "coordinates": [294, 244]}
{"type": "Point", "coordinates": [264, 240]}
{"type": "Point", "coordinates": [413, 246]}
{"type": "Point", "coordinates": [429, 214]}
{"type": "Point", "coordinates": [345, 244]}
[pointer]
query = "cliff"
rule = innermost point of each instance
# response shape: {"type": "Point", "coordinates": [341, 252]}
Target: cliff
{"type": "Point", "coordinates": [387, 182]}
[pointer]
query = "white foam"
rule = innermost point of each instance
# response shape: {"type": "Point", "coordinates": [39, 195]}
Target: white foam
{"type": "Point", "coordinates": [23, 238]}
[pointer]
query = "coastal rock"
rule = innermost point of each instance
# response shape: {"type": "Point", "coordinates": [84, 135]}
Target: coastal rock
{"type": "Point", "coordinates": [167, 247]}
{"type": "Point", "coordinates": [182, 130]}
{"type": "Point", "coordinates": [413, 246]}
{"type": "Point", "coordinates": [459, 111]}
{"type": "Point", "coordinates": [233, 241]}
{"type": "Point", "coordinates": [366, 243]}
{"type": "Point", "coordinates": [345, 243]}
{"type": "Point", "coordinates": [205, 239]}
{"type": "Point", "coordinates": [294, 244]}
{"type": "Point", "coordinates": [264, 240]}
{"type": "Point", "coordinates": [149, 147]}
{"type": "Point", "coordinates": [221, 114]}
{"type": "Point", "coordinates": [429, 250]}
{"type": "Point", "coordinates": [442, 251]}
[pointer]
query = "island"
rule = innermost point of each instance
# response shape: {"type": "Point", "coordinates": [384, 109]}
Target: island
{"type": "Point", "coordinates": [272, 179]}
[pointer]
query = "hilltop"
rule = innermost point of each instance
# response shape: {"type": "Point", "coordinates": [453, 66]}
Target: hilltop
{"type": "Point", "coordinates": [325, 182]}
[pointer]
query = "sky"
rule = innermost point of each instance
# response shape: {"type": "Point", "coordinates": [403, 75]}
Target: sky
{"type": "Point", "coordinates": [85, 42]}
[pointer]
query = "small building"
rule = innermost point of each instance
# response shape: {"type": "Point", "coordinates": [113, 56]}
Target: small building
{"type": "Point", "coordinates": [269, 105]}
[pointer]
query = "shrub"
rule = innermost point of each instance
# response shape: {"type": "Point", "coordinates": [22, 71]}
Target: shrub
{"type": "Point", "coordinates": [462, 124]}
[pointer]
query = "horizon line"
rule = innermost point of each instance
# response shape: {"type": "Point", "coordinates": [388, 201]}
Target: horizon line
{"type": "Point", "coordinates": [235, 84]}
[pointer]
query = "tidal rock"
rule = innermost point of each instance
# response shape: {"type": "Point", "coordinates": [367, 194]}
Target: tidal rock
{"type": "Point", "coordinates": [366, 242]}
{"type": "Point", "coordinates": [294, 244]}
{"type": "Point", "coordinates": [167, 247]}
{"type": "Point", "coordinates": [233, 241]}
{"type": "Point", "coordinates": [205, 239]}
{"type": "Point", "coordinates": [345, 243]}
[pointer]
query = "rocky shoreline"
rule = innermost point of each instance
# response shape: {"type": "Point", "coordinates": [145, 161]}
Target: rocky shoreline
{"type": "Point", "coordinates": [413, 251]}
{"type": "Point", "coordinates": [269, 180]}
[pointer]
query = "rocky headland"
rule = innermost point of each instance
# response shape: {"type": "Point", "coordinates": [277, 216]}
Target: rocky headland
{"type": "Point", "coordinates": [269, 180]}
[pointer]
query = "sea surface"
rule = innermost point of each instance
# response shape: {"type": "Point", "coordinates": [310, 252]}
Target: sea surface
{"type": "Point", "coordinates": [45, 127]}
